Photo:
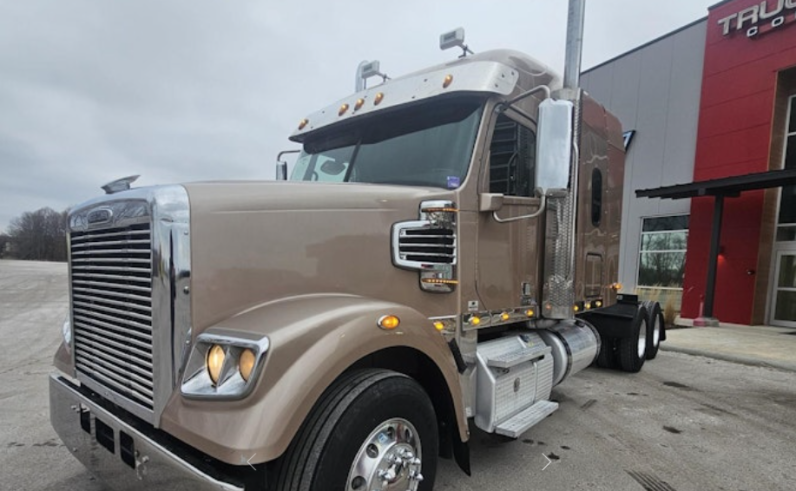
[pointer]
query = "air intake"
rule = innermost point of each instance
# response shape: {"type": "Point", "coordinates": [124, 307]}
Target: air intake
{"type": "Point", "coordinates": [428, 245]}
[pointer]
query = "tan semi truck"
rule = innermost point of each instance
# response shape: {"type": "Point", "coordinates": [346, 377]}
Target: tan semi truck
{"type": "Point", "coordinates": [444, 253]}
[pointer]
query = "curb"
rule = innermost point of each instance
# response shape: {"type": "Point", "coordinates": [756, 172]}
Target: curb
{"type": "Point", "coordinates": [743, 360]}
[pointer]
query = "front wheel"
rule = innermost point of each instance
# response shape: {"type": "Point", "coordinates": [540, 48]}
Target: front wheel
{"type": "Point", "coordinates": [371, 430]}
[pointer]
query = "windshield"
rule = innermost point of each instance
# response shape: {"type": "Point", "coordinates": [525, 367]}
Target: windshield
{"type": "Point", "coordinates": [424, 145]}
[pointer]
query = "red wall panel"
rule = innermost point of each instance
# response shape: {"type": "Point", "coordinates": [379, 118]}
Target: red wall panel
{"type": "Point", "coordinates": [734, 137]}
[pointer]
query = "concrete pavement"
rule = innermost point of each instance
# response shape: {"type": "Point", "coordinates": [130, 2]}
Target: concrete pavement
{"type": "Point", "coordinates": [765, 346]}
{"type": "Point", "coordinates": [684, 422]}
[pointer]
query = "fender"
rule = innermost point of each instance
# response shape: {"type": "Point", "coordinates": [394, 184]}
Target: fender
{"type": "Point", "coordinates": [313, 340]}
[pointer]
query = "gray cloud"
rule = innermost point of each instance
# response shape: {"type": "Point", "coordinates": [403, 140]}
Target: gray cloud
{"type": "Point", "coordinates": [193, 90]}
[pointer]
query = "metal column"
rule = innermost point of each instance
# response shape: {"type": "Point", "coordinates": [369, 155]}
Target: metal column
{"type": "Point", "coordinates": [707, 318]}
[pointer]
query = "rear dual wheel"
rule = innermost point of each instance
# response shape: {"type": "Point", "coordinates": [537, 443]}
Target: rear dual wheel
{"type": "Point", "coordinates": [655, 326]}
{"type": "Point", "coordinates": [371, 430]}
{"type": "Point", "coordinates": [632, 350]}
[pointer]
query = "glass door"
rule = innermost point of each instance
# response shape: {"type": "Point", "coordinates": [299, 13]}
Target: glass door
{"type": "Point", "coordinates": [783, 308]}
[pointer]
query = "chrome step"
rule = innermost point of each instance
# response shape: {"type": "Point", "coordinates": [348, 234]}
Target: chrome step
{"type": "Point", "coordinates": [524, 420]}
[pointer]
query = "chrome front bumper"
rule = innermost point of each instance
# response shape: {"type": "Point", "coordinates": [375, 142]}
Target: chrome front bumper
{"type": "Point", "coordinates": [120, 455]}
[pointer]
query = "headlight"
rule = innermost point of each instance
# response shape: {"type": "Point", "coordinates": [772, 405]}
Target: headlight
{"type": "Point", "coordinates": [66, 330]}
{"type": "Point", "coordinates": [215, 362]}
{"type": "Point", "coordinates": [223, 365]}
{"type": "Point", "coordinates": [246, 364]}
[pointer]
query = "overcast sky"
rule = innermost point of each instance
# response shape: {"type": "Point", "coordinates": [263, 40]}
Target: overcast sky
{"type": "Point", "coordinates": [178, 91]}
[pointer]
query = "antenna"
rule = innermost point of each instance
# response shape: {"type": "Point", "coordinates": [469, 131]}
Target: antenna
{"type": "Point", "coordinates": [453, 39]}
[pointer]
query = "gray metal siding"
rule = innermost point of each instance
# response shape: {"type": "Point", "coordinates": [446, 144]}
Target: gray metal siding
{"type": "Point", "coordinates": [656, 91]}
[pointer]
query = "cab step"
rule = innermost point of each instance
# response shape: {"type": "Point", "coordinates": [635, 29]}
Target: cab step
{"type": "Point", "coordinates": [525, 419]}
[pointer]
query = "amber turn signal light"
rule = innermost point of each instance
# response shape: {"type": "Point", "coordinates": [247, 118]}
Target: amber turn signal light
{"type": "Point", "coordinates": [389, 322]}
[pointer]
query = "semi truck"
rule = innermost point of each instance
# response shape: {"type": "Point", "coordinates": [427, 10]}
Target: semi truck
{"type": "Point", "coordinates": [442, 255]}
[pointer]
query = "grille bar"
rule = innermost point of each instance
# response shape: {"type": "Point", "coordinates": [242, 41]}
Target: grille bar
{"type": "Point", "coordinates": [109, 293]}
{"type": "Point", "coordinates": [427, 245]}
{"type": "Point", "coordinates": [112, 309]}
{"type": "Point", "coordinates": [110, 301]}
{"type": "Point", "coordinates": [111, 358]}
{"type": "Point", "coordinates": [143, 358]}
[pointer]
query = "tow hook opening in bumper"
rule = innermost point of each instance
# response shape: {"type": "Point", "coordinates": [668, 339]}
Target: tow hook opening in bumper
{"type": "Point", "coordinates": [127, 456]}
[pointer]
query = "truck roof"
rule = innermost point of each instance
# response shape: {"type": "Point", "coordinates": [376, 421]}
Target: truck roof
{"type": "Point", "coordinates": [501, 72]}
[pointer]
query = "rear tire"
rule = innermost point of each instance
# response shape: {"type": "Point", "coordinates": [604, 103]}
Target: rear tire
{"type": "Point", "coordinates": [654, 329]}
{"type": "Point", "coordinates": [633, 348]}
{"type": "Point", "coordinates": [606, 358]}
{"type": "Point", "coordinates": [362, 425]}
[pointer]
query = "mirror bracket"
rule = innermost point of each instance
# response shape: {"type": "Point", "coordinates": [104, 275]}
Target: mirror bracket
{"type": "Point", "coordinates": [490, 202]}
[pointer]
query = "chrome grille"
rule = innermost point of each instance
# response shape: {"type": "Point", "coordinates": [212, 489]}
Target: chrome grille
{"type": "Point", "coordinates": [112, 309]}
{"type": "Point", "coordinates": [427, 245]}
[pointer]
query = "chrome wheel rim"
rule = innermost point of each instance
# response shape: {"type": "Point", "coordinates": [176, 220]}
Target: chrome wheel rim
{"type": "Point", "coordinates": [656, 331]}
{"type": "Point", "coordinates": [389, 459]}
{"type": "Point", "coordinates": [642, 340]}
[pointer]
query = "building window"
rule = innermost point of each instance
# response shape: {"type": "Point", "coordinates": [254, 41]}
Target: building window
{"type": "Point", "coordinates": [662, 255]}
{"type": "Point", "coordinates": [786, 228]}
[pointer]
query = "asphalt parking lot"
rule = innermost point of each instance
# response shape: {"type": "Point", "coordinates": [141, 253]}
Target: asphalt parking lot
{"type": "Point", "coordinates": [684, 423]}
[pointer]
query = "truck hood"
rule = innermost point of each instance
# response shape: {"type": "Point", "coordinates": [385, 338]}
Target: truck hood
{"type": "Point", "coordinates": [257, 242]}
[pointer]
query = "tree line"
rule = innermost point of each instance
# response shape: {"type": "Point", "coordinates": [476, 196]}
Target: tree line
{"type": "Point", "coordinates": [35, 236]}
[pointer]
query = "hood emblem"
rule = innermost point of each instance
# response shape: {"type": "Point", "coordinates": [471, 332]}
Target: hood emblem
{"type": "Point", "coordinates": [101, 215]}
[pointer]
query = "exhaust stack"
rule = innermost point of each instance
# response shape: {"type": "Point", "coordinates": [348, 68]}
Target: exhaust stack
{"type": "Point", "coordinates": [574, 53]}
{"type": "Point", "coordinates": [558, 286]}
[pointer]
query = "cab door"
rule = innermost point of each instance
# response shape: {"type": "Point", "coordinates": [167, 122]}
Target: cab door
{"type": "Point", "coordinates": [508, 253]}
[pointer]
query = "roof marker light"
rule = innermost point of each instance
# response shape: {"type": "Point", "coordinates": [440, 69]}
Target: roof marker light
{"type": "Point", "coordinates": [342, 110]}
{"type": "Point", "coordinates": [379, 97]}
{"type": "Point", "coordinates": [448, 81]}
{"type": "Point", "coordinates": [303, 123]}
{"type": "Point", "coordinates": [359, 104]}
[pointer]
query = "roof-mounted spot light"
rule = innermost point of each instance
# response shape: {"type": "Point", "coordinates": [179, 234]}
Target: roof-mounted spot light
{"type": "Point", "coordinates": [366, 70]}
{"type": "Point", "coordinates": [453, 39]}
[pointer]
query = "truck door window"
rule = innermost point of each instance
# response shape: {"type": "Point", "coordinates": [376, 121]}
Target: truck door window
{"type": "Point", "coordinates": [512, 159]}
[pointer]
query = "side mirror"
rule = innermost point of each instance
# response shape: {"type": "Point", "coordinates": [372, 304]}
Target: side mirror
{"type": "Point", "coordinates": [554, 144]}
{"type": "Point", "coordinates": [281, 171]}
{"type": "Point", "coordinates": [490, 202]}
{"type": "Point", "coordinates": [281, 165]}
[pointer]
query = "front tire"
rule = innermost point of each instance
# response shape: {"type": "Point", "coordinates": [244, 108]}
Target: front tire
{"type": "Point", "coordinates": [370, 429]}
{"type": "Point", "coordinates": [633, 348]}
